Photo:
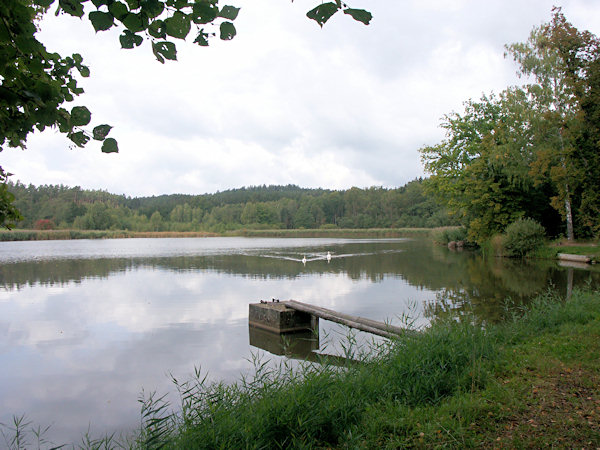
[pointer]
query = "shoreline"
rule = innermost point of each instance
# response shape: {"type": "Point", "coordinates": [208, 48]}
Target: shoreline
{"type": "Point", "coordinates": [45, 235]}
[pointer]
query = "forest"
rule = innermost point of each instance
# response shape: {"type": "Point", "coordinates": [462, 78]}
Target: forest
{"type": "Point", "coordinates": [255, 207]}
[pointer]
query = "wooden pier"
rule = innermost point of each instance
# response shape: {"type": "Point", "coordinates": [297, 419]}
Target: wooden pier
{"type": "Point", "coordinates": [288, 316]}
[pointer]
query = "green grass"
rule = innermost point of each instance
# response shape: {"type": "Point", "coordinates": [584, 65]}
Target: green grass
{"type": "Point", "coordinates": [551, 251]}
{"type": "Point", "coordinates": [543, 391]}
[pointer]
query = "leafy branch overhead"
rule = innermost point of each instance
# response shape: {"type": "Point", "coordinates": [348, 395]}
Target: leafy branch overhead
{"type": "Point", "coordinates": [37, 83]}
{"type": "Point", "coordinates": [325, 11]}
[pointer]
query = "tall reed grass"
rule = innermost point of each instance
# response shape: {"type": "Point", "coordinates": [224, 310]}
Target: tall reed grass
{"type": "Point", "coordinates": [319, 404]}
{"type": "Point", "coordinates": [334, 232]}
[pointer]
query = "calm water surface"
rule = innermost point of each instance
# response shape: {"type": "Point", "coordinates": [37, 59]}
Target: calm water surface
{"type": "Point", "coordinates": [86, 325]}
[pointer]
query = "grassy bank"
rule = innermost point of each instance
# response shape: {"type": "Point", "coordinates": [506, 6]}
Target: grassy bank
{"type": "Point", "coordinates": [587, 249]}
{"type": "Point", "coordinates": [532, 382]}
{"type": "Point", "coordinates": [44, 235]}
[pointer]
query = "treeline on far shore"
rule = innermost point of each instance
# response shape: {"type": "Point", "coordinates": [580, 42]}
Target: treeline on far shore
{"type": "Point", "coordinates": [58, 207]}
{"type": "Point", "coordinates": [47, 235]}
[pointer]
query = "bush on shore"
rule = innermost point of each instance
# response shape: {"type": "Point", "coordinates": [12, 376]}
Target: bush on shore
{"type": "Point", "coordinates": [523, 237]}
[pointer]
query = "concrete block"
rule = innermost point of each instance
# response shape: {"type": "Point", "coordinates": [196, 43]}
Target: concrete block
{"type": "Point", "coordinates": [278, 318]}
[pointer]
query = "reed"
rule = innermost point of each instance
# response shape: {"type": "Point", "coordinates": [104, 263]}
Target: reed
{"type": "Point", "coordinates": [318, 404]}
{"type": "Point", "coordinates": [334, 232]}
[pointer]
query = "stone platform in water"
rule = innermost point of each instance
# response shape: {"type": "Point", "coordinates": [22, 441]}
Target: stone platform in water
{"type": "Point", "coordinates": [277, 317]}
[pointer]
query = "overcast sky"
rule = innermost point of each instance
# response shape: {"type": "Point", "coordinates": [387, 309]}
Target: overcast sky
{"type": "Point", "coordinates": [285, 101]}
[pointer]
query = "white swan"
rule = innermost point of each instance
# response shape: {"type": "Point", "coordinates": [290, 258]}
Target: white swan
{"type": "Point", "coordinates": [328, 256]}
{"type": "Point", "coordinates": [304, 259]}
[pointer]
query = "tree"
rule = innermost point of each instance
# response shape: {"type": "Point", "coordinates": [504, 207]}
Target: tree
{"type": "Point", "coordinates": [481, 171]}
{"type": "Point", "coordinates": [37, 83]}
{"type": "Point", "coordinates": [558, 57]}
{"type": "Point", "coordinates": [156, 221]}
{"type": "Point", "coordinates": [518, 153]}
{"type": "Point", "coordinates": [9, 214]}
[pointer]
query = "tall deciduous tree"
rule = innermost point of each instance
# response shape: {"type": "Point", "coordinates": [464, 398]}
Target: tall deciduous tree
{"type": "Point", "coordinates": [558, 57]}
{"type": "Point", "coordinates": [481, 171]}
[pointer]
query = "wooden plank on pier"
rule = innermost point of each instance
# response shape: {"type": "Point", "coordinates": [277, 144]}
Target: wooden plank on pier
{"type": "Point", "coordinates": [360, 323]}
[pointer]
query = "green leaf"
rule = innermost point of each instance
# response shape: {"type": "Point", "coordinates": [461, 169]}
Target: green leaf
{"type": "Point", "coordinates": [204, 12]}
{"type": "Point", "coordinates": [72, 7]}
{"type": "Point", "coordinates": [229, 12]}
{"type": "Point", "coordinates": [101, 131]}
{"type": "Point", "coordinates": [26, 44]}
{"type": "Point", "coordinates": [63, 118]}
{"type": "Point", "coordinates": [227, 31]}
{"type": "Point", "coordinates": [118, 10]}
{"type": "Point", "coordinates": [164, 50]}
{"type": "Point", "coordinates": [101, 20]}
{"type": "Point", "coordinates": [322, 13]}
{"type": "Point", "coordinates": [360, 15]}
{"type": "Point", "coordinates": [130, 40]}
{"type": "Point", "coordinates": [158, 29]}
{"type": "Point", "coordinates": [178, 25]}
{"type": "Point", "coordinates": [133, 4]}
{"type": "Point", "coordinates": [79, 138]}
{"type": "Point", "coordinates": [110, 146]}
{"type": "Point", "coordinates": [44, 3]}
{"type": "Point", "coordinates": [153, 8]}
{"type": "Point", "coordinates": [135, 22]}
{"type": "Point", "coordinates": [83, 70]}
{"type": "Point", "coordinates": [80, 116]}
{"type": "Point", "coordinates": [201, 39]}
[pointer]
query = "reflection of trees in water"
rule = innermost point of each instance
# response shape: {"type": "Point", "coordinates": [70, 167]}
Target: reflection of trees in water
{"type": "Point", "coordinates": [464, 281]}
{"type": "Point", "coordinates": [486, 285]}
{"type": "Point", "coordinates": [491, 285]}
{"type": "Point", "coordinates": [59, 272]}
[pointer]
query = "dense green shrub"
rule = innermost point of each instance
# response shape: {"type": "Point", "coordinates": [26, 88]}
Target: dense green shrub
{"type": "Point", "coordinates": [448, 234]}
{"type": "Point", "coordinates": [523, 237]}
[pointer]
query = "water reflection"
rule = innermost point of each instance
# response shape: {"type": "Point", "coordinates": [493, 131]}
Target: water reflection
{"type": "Point", "coordinates": [298, 345]}
{"type": "Point", "coordinates": [85, 325]}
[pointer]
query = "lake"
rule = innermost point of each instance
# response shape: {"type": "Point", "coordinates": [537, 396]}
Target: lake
{"type": "Point", "coordinates": [85, 325]}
